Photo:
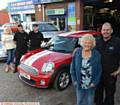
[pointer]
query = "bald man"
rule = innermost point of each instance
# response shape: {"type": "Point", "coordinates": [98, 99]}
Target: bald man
{"type": "Point", "coordinates": [108, 46]}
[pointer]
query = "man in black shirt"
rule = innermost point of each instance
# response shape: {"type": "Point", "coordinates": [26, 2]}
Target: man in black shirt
{"type": "Point", "coordinates": [21, 40]}
{"type": "Point", "coordinates": [35, 38]}
{"type": "Point", "coordinates": [108, 46]}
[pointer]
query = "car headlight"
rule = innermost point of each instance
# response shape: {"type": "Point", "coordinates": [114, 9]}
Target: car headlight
{"type": "Point", "coordinates": [48, 67]}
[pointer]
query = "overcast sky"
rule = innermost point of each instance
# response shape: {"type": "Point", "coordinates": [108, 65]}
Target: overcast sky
{"type": "Point", "coordinates": [3, 3]}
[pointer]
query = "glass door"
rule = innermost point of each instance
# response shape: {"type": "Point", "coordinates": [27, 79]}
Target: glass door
{"type": "Point", "coordinates": [59, 21]}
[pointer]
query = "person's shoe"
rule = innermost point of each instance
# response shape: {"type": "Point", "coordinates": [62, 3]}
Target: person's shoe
{"type": "Point", "coordinates": [15, 70]}
{"type": "Point", "coordinates": [7, 68]}
{"type": "Point", "coordinates": [11, 67]}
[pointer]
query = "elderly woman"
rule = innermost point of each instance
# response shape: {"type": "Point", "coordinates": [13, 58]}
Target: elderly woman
{"type": "Point", "coordinates": [86, 70]}
{"type": "Point", "coordinates": [7, 39]}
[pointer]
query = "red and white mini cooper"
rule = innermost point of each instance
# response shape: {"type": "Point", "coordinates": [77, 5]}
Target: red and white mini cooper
{"type": "Point", "coordinates": [50, 67]}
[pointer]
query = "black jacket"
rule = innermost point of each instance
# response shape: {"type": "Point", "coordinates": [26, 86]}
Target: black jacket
{"type": "Point", "coordinates": [110, 52]}
{"type": "Point", "coordinates": [35, 39]}
{"type": "Point", "coordinates": [21, 41]}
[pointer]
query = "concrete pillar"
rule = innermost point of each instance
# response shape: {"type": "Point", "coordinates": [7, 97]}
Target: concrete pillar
{"type": "Point", "coordinates": [43, 12]}
{"type": "Point", "coordinates": [79, 14]}
{"type": "Point", "coordinates": [10, 17]}
{"type": "Point", "coordinates": [21, 17]}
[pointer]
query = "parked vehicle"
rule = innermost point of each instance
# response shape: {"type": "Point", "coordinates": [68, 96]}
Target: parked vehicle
{"type": "Point", "coordinates": [3, 54]}
{"type": "Point", "coordinates": [13, 26]}
{"type": "Point", "coordinates": [48, 29]}
{"type": "Point", "coordinates": [50, 67]}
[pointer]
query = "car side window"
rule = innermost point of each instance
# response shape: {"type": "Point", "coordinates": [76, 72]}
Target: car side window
{"type": "Point", "coordinates": [77, 44]}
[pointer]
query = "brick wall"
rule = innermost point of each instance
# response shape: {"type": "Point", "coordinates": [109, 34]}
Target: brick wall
{"type": "Point", "coordinates": [4, 17]}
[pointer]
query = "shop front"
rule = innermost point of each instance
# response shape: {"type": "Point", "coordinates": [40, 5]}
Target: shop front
{"type": "Point", "coordinates": [22, 10]}
{"type": "Point", "coordinates": [58, 17]}
{"type": "Point", "coordinates": [54, 11]}
{"type": "Point", "coordinates": [66, 15]}
{"type": "Point", "coordinates": [96, 12]}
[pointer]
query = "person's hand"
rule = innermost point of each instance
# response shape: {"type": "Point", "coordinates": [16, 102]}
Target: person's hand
{"type": "Point", "coordinates": [114, 74]}
{"type": "Point", "coordinates": [92, 85]}
{"type": "Point", "coordinates": [43, 44]}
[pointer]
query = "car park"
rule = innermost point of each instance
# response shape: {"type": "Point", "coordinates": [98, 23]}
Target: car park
{"type": "Point", "coordinates": [50, 67]}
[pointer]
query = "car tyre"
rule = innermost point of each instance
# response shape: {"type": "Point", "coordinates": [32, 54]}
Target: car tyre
{"type": "Point", "coordinates": [62, 80]}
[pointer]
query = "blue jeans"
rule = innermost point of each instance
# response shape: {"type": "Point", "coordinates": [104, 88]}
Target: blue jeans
{"type": "Point", "coordinates": [85, 96]}
{"type": "Point", "coordinates": [11, 54]}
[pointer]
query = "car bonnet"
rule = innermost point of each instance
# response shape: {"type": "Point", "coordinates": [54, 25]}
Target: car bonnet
{"type": "Point", "coordinates": [37, 60]}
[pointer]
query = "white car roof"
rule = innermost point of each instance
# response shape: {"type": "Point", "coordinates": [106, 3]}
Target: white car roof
{"type": "Point", "coordinates": [35, 22]}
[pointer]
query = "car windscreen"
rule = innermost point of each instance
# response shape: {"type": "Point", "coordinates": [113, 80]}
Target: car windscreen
{"type": "Point", "coordinates": [62, 44]}
{"type": "Point", "coordinates": [46, 27]}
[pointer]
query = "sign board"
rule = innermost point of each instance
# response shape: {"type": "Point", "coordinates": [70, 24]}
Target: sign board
{"type": "Point", "coordinates": [71, 20]}
{"type": "Point", "coordinates": [45, 1]}
{"type": "Point", "coordinates": [71, 17]}
{"type": "Point", "coordinates": [55, 11]}
{"type": "Point", "coordinates": [20, 6]}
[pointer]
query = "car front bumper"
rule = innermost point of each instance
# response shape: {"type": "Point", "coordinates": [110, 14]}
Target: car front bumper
{"type": "Point", "coordinates": [40, 81]}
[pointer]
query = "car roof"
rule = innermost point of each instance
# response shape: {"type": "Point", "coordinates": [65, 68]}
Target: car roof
{"type": "Point", "coordinates": [10, 24]}
{"type": "Point", "coordinates": [78, 34]}
{"type": "Point", "coordinates": [37, 22]}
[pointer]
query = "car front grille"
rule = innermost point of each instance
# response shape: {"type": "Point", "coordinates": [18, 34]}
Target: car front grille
{"type": "Point", "coordinates": [29, 69]}
{"type": "Point", "coordinates": [31, 82]}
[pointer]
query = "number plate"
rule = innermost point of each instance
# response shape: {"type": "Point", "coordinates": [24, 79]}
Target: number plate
{"type": "Point", "coordinates": [25, 75]}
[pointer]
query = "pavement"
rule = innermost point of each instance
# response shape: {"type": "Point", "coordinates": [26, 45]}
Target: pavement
{"type": "Point", "coordinates": [13, 90]}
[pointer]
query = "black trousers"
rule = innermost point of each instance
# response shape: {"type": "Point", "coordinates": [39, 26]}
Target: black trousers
{"type": "Point", "coordinates": [18, 56]}
{"type": "Point", "coordinates": [105, 91]}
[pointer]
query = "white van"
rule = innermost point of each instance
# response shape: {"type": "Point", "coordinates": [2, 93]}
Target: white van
{"type": "Point", "coordinates": [47, 28]}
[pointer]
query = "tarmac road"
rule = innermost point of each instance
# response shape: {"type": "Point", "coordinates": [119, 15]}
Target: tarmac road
{"type": "Point", "coordinates": [13, 90]}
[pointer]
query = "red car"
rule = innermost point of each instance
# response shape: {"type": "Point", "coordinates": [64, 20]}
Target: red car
{"type": "Point", "coordinates": [50, 67]}
{"type": "Point", "coordinates": [13, 26]}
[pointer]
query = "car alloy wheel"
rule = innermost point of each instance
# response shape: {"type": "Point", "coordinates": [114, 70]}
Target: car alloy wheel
{"type": "Point", "coordinates": [62, 80]}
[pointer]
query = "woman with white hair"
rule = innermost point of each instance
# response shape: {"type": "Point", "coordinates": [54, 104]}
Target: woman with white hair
{"type": "Point", "coordinates": [86, 70]}
{"type": "Point", "coordinates": [7, 39]}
